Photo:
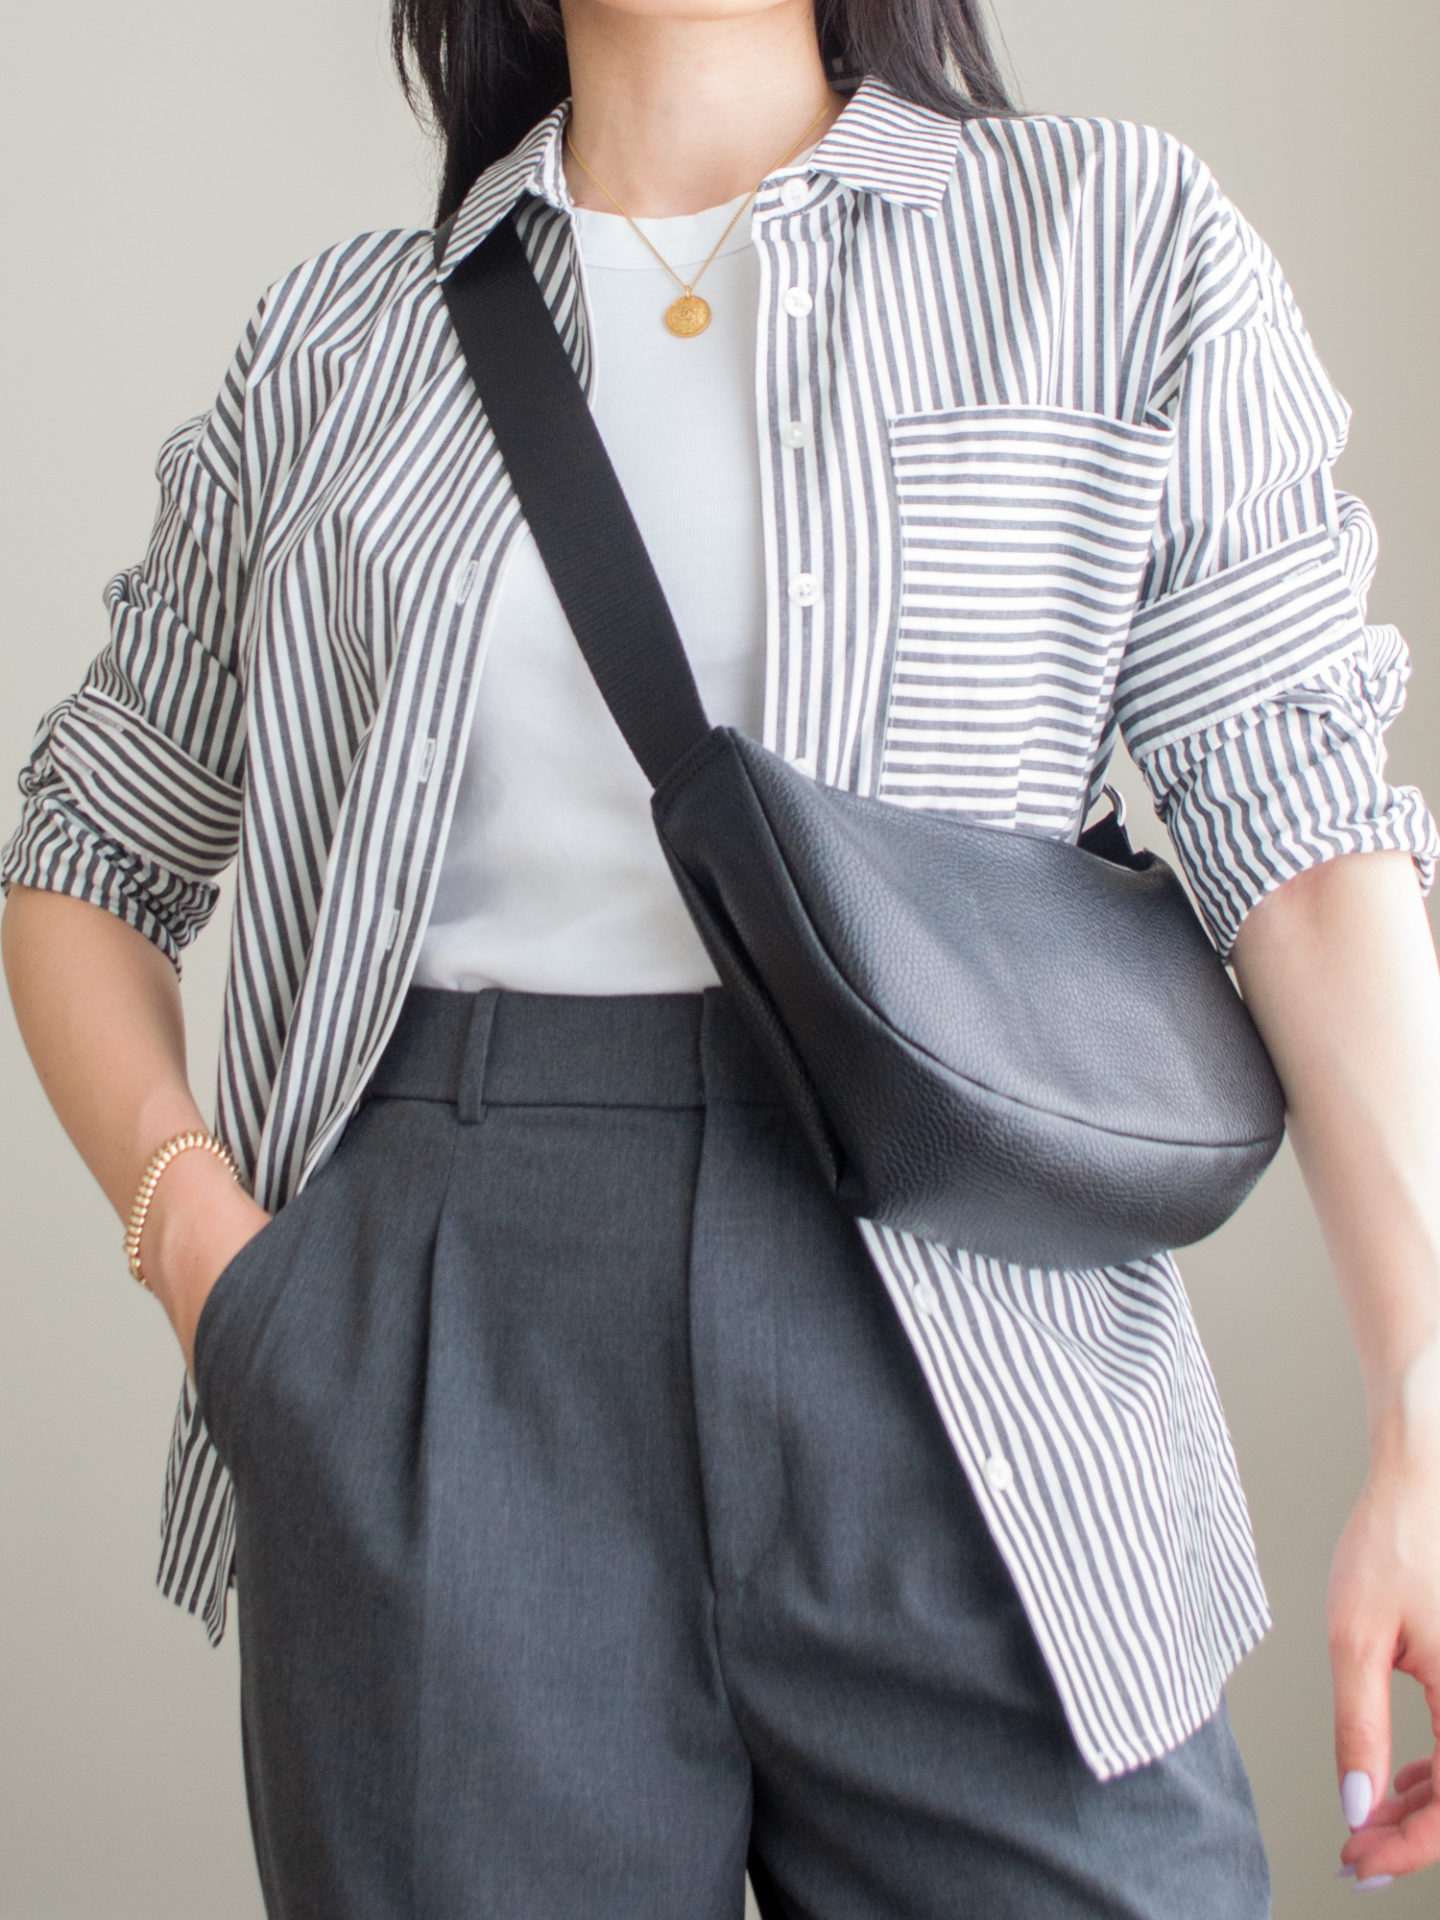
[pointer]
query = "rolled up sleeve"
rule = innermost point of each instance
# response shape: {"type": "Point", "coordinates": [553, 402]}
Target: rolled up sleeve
{"type": "Point", "coordinates": [1253, 695]}
{"type": "Point", "coordinates": [132, 793]}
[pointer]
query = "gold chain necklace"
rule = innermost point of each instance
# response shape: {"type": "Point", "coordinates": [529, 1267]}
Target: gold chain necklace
{"type": "Point", "coordinates": [690, 315]}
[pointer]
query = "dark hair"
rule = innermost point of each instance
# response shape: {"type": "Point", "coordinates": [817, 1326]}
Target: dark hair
{"type": "Point", "coordinates": [489, 69]}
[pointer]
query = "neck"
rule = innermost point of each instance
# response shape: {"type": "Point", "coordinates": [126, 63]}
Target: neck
{"type": "Point", "coordinates": [676, 114]}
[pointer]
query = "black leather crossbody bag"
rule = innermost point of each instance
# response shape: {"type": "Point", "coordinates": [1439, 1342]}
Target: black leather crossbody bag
{"type": "Point", "coordinates": [994, 1040]}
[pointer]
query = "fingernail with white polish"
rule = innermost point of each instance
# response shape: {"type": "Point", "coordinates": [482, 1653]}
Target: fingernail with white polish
{"type": "Point", "coordinates": [1357, 1798]}
{"type": "Point", "coordinates": [1347, 1873]}
{"type": "Point", "coordinates": [1374, 1883]}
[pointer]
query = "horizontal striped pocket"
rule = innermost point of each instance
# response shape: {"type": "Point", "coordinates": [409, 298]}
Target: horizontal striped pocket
{"type": "Point", "coordinates": [1025, 533]}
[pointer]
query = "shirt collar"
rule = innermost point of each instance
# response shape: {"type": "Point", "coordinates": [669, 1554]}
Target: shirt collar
{"type": "Point", "coordinates": [880, 143]}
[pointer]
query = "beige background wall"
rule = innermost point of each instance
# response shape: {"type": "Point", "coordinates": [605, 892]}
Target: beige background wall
{"type": "Point", "coordinates": [163, 162]}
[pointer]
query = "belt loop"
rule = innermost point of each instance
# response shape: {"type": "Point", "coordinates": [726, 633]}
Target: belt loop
{"type": "Point", "coordinates": [710, 1034]}
{"type": "Point", "coordinates": [470, 1096]}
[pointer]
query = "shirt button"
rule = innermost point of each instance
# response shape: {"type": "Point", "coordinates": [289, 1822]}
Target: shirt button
{"type": "Point", "coordinates": [926, 1298]}
{"type": "Point", "coordinates": [795, 433]}
{"type": "Point", "coordinates": [804, 589]}
{"type": "Point", "coordinates": [794, 190]}
{"type": "Point", "coordinates": [1000, 1473]}
{"type": "Point", "coordinates": [796, 301]}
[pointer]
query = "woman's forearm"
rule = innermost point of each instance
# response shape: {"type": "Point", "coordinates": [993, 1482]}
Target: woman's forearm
{"type": "Point", "coordinates": [99, 1010]}
{"type": "Point", "coordinates": [1339, 971]}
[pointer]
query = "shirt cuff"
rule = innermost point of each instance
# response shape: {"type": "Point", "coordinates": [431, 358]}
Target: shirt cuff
{"type": "Point", "coordinates": [1252, 801]}
{"type": "Point", "coordinates": [55, 852]}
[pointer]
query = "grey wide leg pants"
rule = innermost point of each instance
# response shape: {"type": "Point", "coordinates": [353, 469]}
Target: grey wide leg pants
{"type": "Point", "coordinates": [596, 1534]}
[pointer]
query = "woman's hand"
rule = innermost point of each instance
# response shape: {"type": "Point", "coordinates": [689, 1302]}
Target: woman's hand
{"type": "Point", "coordinates": [1384, 1614]}
{"type": "Point", "coordinates": [198, 1221]}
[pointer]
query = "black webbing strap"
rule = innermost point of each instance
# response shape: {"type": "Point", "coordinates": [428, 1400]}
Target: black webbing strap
{"type": "Point", "coordinates": [574, 503]}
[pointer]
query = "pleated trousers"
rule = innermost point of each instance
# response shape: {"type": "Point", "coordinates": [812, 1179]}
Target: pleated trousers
{"type": "Point", "coordinates": [597, 1537]}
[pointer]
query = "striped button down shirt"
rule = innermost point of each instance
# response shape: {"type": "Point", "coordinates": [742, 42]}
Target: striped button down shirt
{"type": "Point", "coordinates": [1066, 478]}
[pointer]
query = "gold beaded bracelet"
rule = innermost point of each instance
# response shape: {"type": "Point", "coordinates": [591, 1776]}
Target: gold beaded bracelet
{"type": "Point", "coordinates": [150, 1179]}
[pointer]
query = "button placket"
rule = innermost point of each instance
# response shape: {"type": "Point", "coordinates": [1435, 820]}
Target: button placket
{"type": "Point", "coordinates": [797, 377]}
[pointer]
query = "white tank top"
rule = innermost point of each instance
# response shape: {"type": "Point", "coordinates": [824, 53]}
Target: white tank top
{"type": "Point", "coordinates": [552, 879]}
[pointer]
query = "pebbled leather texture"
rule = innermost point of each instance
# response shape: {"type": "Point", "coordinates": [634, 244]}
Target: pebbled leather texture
{"type": "Point", "coordinates": [993, 1040]}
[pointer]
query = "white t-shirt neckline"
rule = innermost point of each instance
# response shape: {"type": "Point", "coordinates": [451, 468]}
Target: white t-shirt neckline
{"type": "Point", "coordinates": [607, 240]}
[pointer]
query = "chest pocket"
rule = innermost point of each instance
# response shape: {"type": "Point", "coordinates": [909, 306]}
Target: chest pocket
{"type": "Point", "coordinates": [1024, 535]}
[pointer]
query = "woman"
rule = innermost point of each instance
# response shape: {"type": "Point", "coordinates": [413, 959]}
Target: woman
{"type": "Point", "coordinates": [608, 1510]}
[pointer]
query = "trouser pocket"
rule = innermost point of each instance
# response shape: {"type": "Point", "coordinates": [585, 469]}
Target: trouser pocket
{"type": "Point", "coordinates": [243, 1323]}
{"type": "Point", "coordinates": [322, 1386]}
{"type": "Point", "coordinates": [230, 1323]}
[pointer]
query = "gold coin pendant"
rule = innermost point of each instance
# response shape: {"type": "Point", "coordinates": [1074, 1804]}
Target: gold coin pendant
{"type": "Point", "coordinates": [688, 315]}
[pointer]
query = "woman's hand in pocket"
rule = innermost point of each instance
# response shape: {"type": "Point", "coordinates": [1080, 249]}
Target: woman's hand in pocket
{"type": "Point", "coordinates": [198, 1221]}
